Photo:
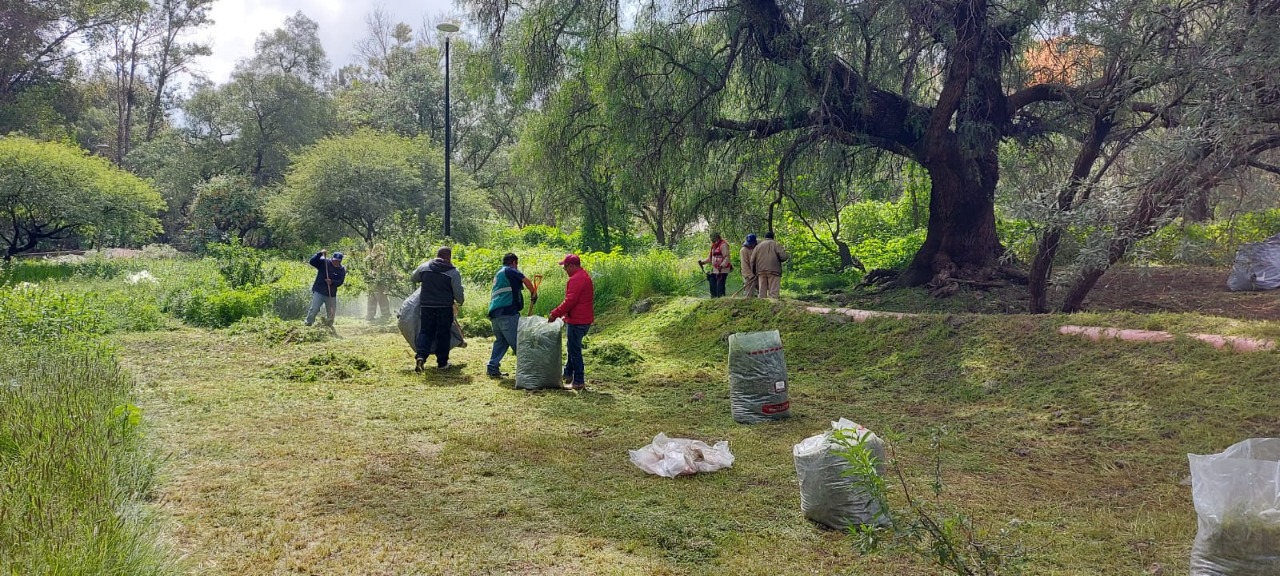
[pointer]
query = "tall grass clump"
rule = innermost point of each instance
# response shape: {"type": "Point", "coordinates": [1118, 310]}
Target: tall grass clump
{"type": "Point", "coordinates": [35, 271]}
{"type": "Point", "coordinates": [73, 472]}
{"type": "Point", "coordinates": [620, 277]}
{"type": "Point", "coordinates": [74, 475]}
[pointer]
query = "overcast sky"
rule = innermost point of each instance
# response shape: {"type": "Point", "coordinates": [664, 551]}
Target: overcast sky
{"type": "Point", "coordinates": [237, 23]}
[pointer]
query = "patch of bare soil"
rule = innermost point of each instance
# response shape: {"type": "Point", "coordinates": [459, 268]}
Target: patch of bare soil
{"type": "Point", "coordinates": [1200, 290]}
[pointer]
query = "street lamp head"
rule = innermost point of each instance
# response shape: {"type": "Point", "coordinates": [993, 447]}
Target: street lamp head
{"type": "Point", "coordinates": [447, 27]}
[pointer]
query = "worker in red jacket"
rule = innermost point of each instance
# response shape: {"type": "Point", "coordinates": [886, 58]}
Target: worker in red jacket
{"type": "Point", "coordinates": [578, 311]}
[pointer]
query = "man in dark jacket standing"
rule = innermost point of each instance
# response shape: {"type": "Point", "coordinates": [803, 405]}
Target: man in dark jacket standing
{"type": "Point", "coordinates": [329, 276]}
{"type": "Point", "coordinates": [578, 311]}
{"type": "Point", "coordinates": [441, 288]}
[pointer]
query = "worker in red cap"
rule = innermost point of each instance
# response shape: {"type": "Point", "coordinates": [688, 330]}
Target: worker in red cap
{"type": "Point", "coordinates": [578, 311]}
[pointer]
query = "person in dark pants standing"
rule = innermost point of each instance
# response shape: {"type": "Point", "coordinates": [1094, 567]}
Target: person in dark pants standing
{"type": "Point", "coordinates": [441, 288]}
{"type": "Point", "coordinates": [330, 274]}
{"type": "Point", "coordinates": [721, 265]}
{"type": "Point", "coordinates": [578, 311]}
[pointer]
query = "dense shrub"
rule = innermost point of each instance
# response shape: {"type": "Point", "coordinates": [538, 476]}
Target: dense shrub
{"type": "Point", "coordinates": [242, 266]}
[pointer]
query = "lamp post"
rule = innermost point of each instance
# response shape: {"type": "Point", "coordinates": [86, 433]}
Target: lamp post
{"type": "Point", "coordinates": [448, 28]}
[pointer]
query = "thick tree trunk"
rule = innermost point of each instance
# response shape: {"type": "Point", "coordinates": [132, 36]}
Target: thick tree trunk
{"type": "Point", "coordinates": [961, 241]}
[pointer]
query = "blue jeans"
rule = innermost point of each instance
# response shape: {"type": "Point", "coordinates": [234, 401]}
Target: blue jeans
{"type": "Point", "coordinates": [573, 369]}
{"type": "Point", "coordinates": [504, 336]}
{"type": "Point", "coordinates": [330, 305]}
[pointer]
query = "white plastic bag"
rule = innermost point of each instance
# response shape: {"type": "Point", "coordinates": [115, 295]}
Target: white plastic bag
{"type": "Point", "coordinates": [671, 457]}
{"type": "Point", "coordinates": [827, 494]}
{"type": "Point", "coordinates": [1237, 498]}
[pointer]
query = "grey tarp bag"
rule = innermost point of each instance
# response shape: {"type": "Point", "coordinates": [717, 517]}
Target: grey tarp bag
{"type": "Point", "coordinates": [410, 320]}
{"type": "Point", "coordinates": [757, 377]}
{"type": "Point", "coordinates": [538, 359]}
{"type": "Point", "coordinates": [1236, 494]}
{"type": "Point", "coordinates": [828, 495]}
{"type": "Point", "coordinates": [1257, 266]}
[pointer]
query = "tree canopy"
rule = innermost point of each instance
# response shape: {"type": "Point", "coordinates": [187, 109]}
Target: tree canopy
{"type": "Point", "coordinates": [51, 191]}
{"type": "Point", "coordinates": [943, 84]}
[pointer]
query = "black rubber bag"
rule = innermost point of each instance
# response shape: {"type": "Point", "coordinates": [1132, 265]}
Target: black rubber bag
{"type": "Point", "coordinates": [410, 320]}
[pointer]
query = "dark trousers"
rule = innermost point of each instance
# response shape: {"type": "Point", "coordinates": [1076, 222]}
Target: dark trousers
{"type": "Point", "coordinates": [573, 368]}
{"type": "Point", "coordinates": [717, 284]}
{"type": "Point", "coordinates": [433, 334]}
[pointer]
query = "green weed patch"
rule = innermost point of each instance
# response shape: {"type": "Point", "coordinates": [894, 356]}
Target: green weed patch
{"type": "Point", "coordinates": [275, 331]}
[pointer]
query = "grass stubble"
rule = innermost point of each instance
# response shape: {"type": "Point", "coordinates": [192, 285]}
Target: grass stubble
{"type": "Point", "coordinates": [1080, 445]}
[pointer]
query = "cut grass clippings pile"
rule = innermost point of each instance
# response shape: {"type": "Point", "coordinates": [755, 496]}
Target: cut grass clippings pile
{"type": "Point", "coordinates": [1080, 445]}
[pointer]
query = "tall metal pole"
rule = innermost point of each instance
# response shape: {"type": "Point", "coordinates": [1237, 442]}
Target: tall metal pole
{"type": "Point", "coordinates": [448, 138]}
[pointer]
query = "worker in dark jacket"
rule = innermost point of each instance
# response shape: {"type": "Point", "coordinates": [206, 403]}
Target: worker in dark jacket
{"type": "Point", "coordinates": [329, 276]}
{"type": "Point", "coordinates": [578, 311]}
{"type": "Point", "coordinates": [441, 289]}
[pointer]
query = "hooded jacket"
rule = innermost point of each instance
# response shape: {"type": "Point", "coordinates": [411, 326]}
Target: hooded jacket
{"type": "Point", "coordinates": [441, 284]}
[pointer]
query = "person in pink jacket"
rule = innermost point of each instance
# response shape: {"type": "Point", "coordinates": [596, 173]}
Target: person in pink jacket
{"type": "Point", "coordinates": [578, 311]}
{"type": "Point", "coordinates": [721, 264]}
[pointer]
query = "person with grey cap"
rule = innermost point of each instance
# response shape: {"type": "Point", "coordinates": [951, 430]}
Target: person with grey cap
{"type": "Point", "coordinates": [330, 274]}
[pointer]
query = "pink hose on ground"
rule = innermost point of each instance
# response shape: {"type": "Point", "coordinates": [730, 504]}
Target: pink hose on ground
{"type": "Point", "coordinates": [858, 315]}
{"type": "Point", "coordinates": [1236, 343]}
{"type": "Point", "coordinates": [1095, 333]}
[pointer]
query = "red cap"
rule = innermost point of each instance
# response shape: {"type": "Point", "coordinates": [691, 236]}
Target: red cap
{"type": "Point", "coordinates": [571, 259]}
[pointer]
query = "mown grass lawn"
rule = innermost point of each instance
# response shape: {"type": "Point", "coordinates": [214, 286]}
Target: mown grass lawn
{"type": "Point", "coordinates": [1080, 445]}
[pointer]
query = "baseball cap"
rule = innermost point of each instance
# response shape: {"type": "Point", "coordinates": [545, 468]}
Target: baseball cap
{"type": "Point", "coordinates": [337, 255]}
{"type": "Point", "coordinates": [571, 259]}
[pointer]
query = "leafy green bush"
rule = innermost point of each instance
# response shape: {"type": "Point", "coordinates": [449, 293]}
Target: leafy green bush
{"type": "Point", "coordinates": [73, 468]}
{"type": "Point", "coordinates": [242, 266]}
{"type": "Point", "coordinates": [95, 264]}
{"type": "Point", "coordinates": [217, 307]}
{"type": "Point", "coordinates": [131, 309]}
{"type": "Point", "coordinates": [289, 303]}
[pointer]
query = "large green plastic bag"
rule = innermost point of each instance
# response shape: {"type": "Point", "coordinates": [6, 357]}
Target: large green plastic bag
{"type": "Point", "coordinates": [538, 346]}
{"type": "Point", "coordinates": [757, 377]}
{"type": "Point", "coordinates": [828, 494]}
